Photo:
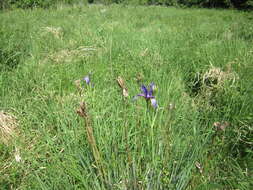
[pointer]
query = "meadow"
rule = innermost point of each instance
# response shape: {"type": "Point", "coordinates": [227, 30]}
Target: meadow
{"type": "Point", "coordinates": [199, 136]}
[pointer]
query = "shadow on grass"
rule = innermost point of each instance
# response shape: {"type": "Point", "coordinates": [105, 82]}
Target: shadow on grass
{"type": "Point", "coordinates": [9, 59]}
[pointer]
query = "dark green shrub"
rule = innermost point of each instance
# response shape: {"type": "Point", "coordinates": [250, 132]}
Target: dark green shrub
{"type": "Point", "coordinates": [37, 3]}
{"type": "Point", "coordinates": [31, 3]}
{"type": "Point", "coordinates": [185, 3]}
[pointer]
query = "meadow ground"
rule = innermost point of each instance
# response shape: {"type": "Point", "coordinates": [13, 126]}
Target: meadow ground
{"type": "Point", "coordinates": [200, 60]}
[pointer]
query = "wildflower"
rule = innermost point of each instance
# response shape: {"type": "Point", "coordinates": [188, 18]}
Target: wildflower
{"type": "Point", "coordinates": [87, 79]}
{"type": "Point", "coordinates": [148, 94]}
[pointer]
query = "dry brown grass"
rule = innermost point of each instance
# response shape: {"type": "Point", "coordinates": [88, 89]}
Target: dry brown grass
{"type": "Point", "coordinates": [122, 85]}
{"type": "Point", "coordinates": [66, 55]}
{"type": "Point", "coordinates": [211, 83]}
{"type": "Point", "coordinates": [8, 126]}
{"type": "Point", "coordinates": [56, 31]}
{"type": "Point", "coordinates": [216, 77]}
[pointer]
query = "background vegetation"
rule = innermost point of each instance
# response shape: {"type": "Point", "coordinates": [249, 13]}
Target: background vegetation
{"type": "Point", "coordinates": [186, 3]}
{"type": "Point", "coordinates": [199, 59]}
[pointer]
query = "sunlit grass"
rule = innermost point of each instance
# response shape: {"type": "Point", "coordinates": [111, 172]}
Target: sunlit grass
{"type": "Point", "coordinates": [43, 52]}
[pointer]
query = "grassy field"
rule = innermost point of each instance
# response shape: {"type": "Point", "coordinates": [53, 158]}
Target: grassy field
{"type": "Point", "coordinates": [199, 137]}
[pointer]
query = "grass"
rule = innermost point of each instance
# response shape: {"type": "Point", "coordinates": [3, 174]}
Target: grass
{"type": "Point", "coordinates": [42, 53]}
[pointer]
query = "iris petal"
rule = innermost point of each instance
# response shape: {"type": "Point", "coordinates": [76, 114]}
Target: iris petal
{"type": "Point", "coordinates": [143, 95]}
{"type": "Point", "coordinates": [144, 90]}
{"type": "Point", "coordinates": [87, 79]}
{"type": "Point", "coordinates": [152, 88]}
{"type": "Point", "coordinates": [154, 102]}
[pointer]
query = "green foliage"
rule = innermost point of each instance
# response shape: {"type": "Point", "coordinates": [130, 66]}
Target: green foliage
{"type": "Point", "coordinates": [9, 59]}
{"type": "Point", "coordinates": [36, 3]}
{"type": "Point", "coordinates": [42, 54]}
{"type": "Point", "coordinates": [185, 3]}
{"type": "Point", "coordinates": [31, 3]}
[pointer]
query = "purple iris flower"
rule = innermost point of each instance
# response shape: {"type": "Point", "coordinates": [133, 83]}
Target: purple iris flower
{"type": "Point", "coordinates": [148, 94]}
{"type": "Point", "coordinates": [87, 79]}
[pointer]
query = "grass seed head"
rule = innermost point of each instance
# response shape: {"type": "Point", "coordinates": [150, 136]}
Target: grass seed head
{"type": "Point", "coordinates": [82, 110]}
{"type": "Point", "coordinates": [221, 126]}
{"type": "Point", "coordinates": [122, 85]}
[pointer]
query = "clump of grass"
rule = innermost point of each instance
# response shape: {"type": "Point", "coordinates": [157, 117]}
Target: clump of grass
{"type": "Point", "coordinates": [216, 77]}
{"type": "Point", "coordinates": [8, 127]}
{"type": "Point", "coordinates": [56, 31]}
{"type": "Point", "coordinates": [207, 86]}
{"type": "Point", "coordinates": [83, 112]}
{"type": "Point", "coordinates": [68, 55]}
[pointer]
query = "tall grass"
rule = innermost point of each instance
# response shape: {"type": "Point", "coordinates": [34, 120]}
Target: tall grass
{"type": "Point", "coordinates": [44, 51]}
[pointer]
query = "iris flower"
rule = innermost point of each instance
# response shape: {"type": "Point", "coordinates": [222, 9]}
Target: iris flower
{"type": "Point", "coordinates": [148, 94]}
{"type": "Point", "coordinates": [87, 79]}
